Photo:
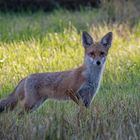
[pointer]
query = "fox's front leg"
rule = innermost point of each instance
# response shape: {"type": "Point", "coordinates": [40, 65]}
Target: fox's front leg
{"type": "Point", "coordinates": [86, 93]}
{"type": "Point", "coordinates": [78, 101]}
{"type": "Point", "coordinates": [72, 95]}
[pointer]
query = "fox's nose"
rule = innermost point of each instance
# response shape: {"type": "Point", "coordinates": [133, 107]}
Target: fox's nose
{"type": "Point", "coordinates": [98, 63]}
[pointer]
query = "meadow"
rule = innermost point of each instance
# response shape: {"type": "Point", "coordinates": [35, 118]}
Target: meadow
{"type": "Point", "coordinates": [44, 42]}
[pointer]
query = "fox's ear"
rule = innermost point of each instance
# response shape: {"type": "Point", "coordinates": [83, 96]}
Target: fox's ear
{"type": "Point", "coordinates": [106, 41]}
{"type": "Point", "coordinates": [86, 40]}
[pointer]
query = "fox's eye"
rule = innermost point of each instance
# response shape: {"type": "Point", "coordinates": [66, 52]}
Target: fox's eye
{"type": "Point", "coordinates": [102, 53]}
{"type": "Point", "coordinates": [91, 53]}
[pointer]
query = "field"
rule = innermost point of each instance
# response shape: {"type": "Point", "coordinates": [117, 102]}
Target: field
{"type": "Point", "coordinates": [43, 42]}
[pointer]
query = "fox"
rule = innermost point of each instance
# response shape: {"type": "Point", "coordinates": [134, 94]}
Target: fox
{"type": "Point", "coordinates": [78, 84]}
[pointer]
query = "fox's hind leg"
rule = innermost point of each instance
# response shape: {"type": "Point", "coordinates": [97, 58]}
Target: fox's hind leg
{"type": "Point", "coordinates": [32, 99]}
{"type": "Point", "coordinates": [38, 104]}
{"type": "Point", "coordinates": [30, 105]}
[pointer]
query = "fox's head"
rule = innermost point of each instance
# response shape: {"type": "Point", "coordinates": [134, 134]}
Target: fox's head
{"type": "Point", "coordinates": [96, 52]}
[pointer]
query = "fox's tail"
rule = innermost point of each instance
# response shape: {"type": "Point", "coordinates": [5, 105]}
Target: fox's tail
{"type": "Point", "coordinates": [9, 102]}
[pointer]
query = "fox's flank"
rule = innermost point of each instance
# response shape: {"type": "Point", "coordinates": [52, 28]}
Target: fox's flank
{"type": "Point", "coordinates": [80, 84]}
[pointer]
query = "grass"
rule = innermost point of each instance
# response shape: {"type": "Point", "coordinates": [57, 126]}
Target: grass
{"type": "Point", "coordinates": [41, 42]}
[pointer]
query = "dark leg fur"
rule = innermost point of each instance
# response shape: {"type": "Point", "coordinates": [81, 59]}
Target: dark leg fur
{"type": "Point", "coordinates": [1, 109]}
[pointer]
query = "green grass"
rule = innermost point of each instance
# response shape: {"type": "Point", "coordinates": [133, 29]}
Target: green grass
{"type": "Point", "coordinates": [41, 42]}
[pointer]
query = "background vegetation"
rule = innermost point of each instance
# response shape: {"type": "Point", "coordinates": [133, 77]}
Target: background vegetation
{"type": "Point", "coordinates": [46, 5]}
{"type": "Point", "coordinates": [42, 42]}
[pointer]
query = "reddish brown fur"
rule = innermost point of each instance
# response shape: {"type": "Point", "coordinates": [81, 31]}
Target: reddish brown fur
{"type": "Point", "coordinates": [56, 87]}
{"type": "Point", "coordinates": [96, 49]}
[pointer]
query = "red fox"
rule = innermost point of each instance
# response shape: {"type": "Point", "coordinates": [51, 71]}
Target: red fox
{"type": "Point", "coordinates": [77, 84]}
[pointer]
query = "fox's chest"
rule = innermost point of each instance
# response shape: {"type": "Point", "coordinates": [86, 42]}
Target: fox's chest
{"type": "Point", "coordinates": [93, 76]}
{"type": "Point", "coordinates": [89, 89]}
